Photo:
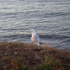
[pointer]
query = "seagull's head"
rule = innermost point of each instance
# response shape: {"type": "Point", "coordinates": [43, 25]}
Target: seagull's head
{"type": "Point", "coordinates": [32, 31]}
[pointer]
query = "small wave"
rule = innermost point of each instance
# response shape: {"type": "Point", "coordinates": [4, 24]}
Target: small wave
{"type": "Point", "coordinates": [10, 13]}
{"type": "Point", "coordinates": [66, 40]}
{"type": "Point", "coordinates": [56, 14]}
{"type": "Point", "coordinates": [17, 35]}
{"type": "Point", "coordinates": [54, 36]}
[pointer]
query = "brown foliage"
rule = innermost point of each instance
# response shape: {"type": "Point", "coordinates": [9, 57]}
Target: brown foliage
{"type": "Point", "coordinates": [30, 54]}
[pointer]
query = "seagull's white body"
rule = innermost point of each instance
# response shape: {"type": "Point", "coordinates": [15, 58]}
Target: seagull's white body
{"type": "Point", "coordinates": [35, 38]}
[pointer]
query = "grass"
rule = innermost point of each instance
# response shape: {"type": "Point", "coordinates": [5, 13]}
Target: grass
{"type": "Point", "coordinates": [21, 56]}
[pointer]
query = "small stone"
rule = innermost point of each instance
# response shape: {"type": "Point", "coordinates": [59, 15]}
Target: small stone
{"type": "Point", "coordinates": [4, 67]}
{"type": "Point", "coordinates": [5, 53]}
{"type": "Point", "coordinates": [15, 53]}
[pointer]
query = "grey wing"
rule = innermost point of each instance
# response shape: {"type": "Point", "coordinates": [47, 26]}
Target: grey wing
{"type": "Point", "coordinates": [37, 39]}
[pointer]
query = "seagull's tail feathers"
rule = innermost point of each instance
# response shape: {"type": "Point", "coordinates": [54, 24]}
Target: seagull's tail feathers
{"type": "Point", "coordinates": [40, 43]}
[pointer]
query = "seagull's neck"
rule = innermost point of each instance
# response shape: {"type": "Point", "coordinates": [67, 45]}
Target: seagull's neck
{"type": "Point", "coordinates": [33, 33]}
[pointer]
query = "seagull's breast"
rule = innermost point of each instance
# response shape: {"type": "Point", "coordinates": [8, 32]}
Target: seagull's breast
{"type": "Point", "coordinates": [33, 39]}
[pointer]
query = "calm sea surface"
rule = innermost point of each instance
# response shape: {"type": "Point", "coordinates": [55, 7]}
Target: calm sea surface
{"type": "Point", "coordinates": [50, 19]}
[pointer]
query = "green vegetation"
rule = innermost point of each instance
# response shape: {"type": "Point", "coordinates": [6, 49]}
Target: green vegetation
{"type": "Point", "coordinates": [21, 56]}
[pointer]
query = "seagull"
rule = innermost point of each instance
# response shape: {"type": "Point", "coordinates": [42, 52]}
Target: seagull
{"type": "Point", "coordinates": [35, 38]}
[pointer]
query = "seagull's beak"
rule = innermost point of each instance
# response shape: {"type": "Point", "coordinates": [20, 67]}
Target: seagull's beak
{"type": "Point", "coordinates": [29, 31]}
